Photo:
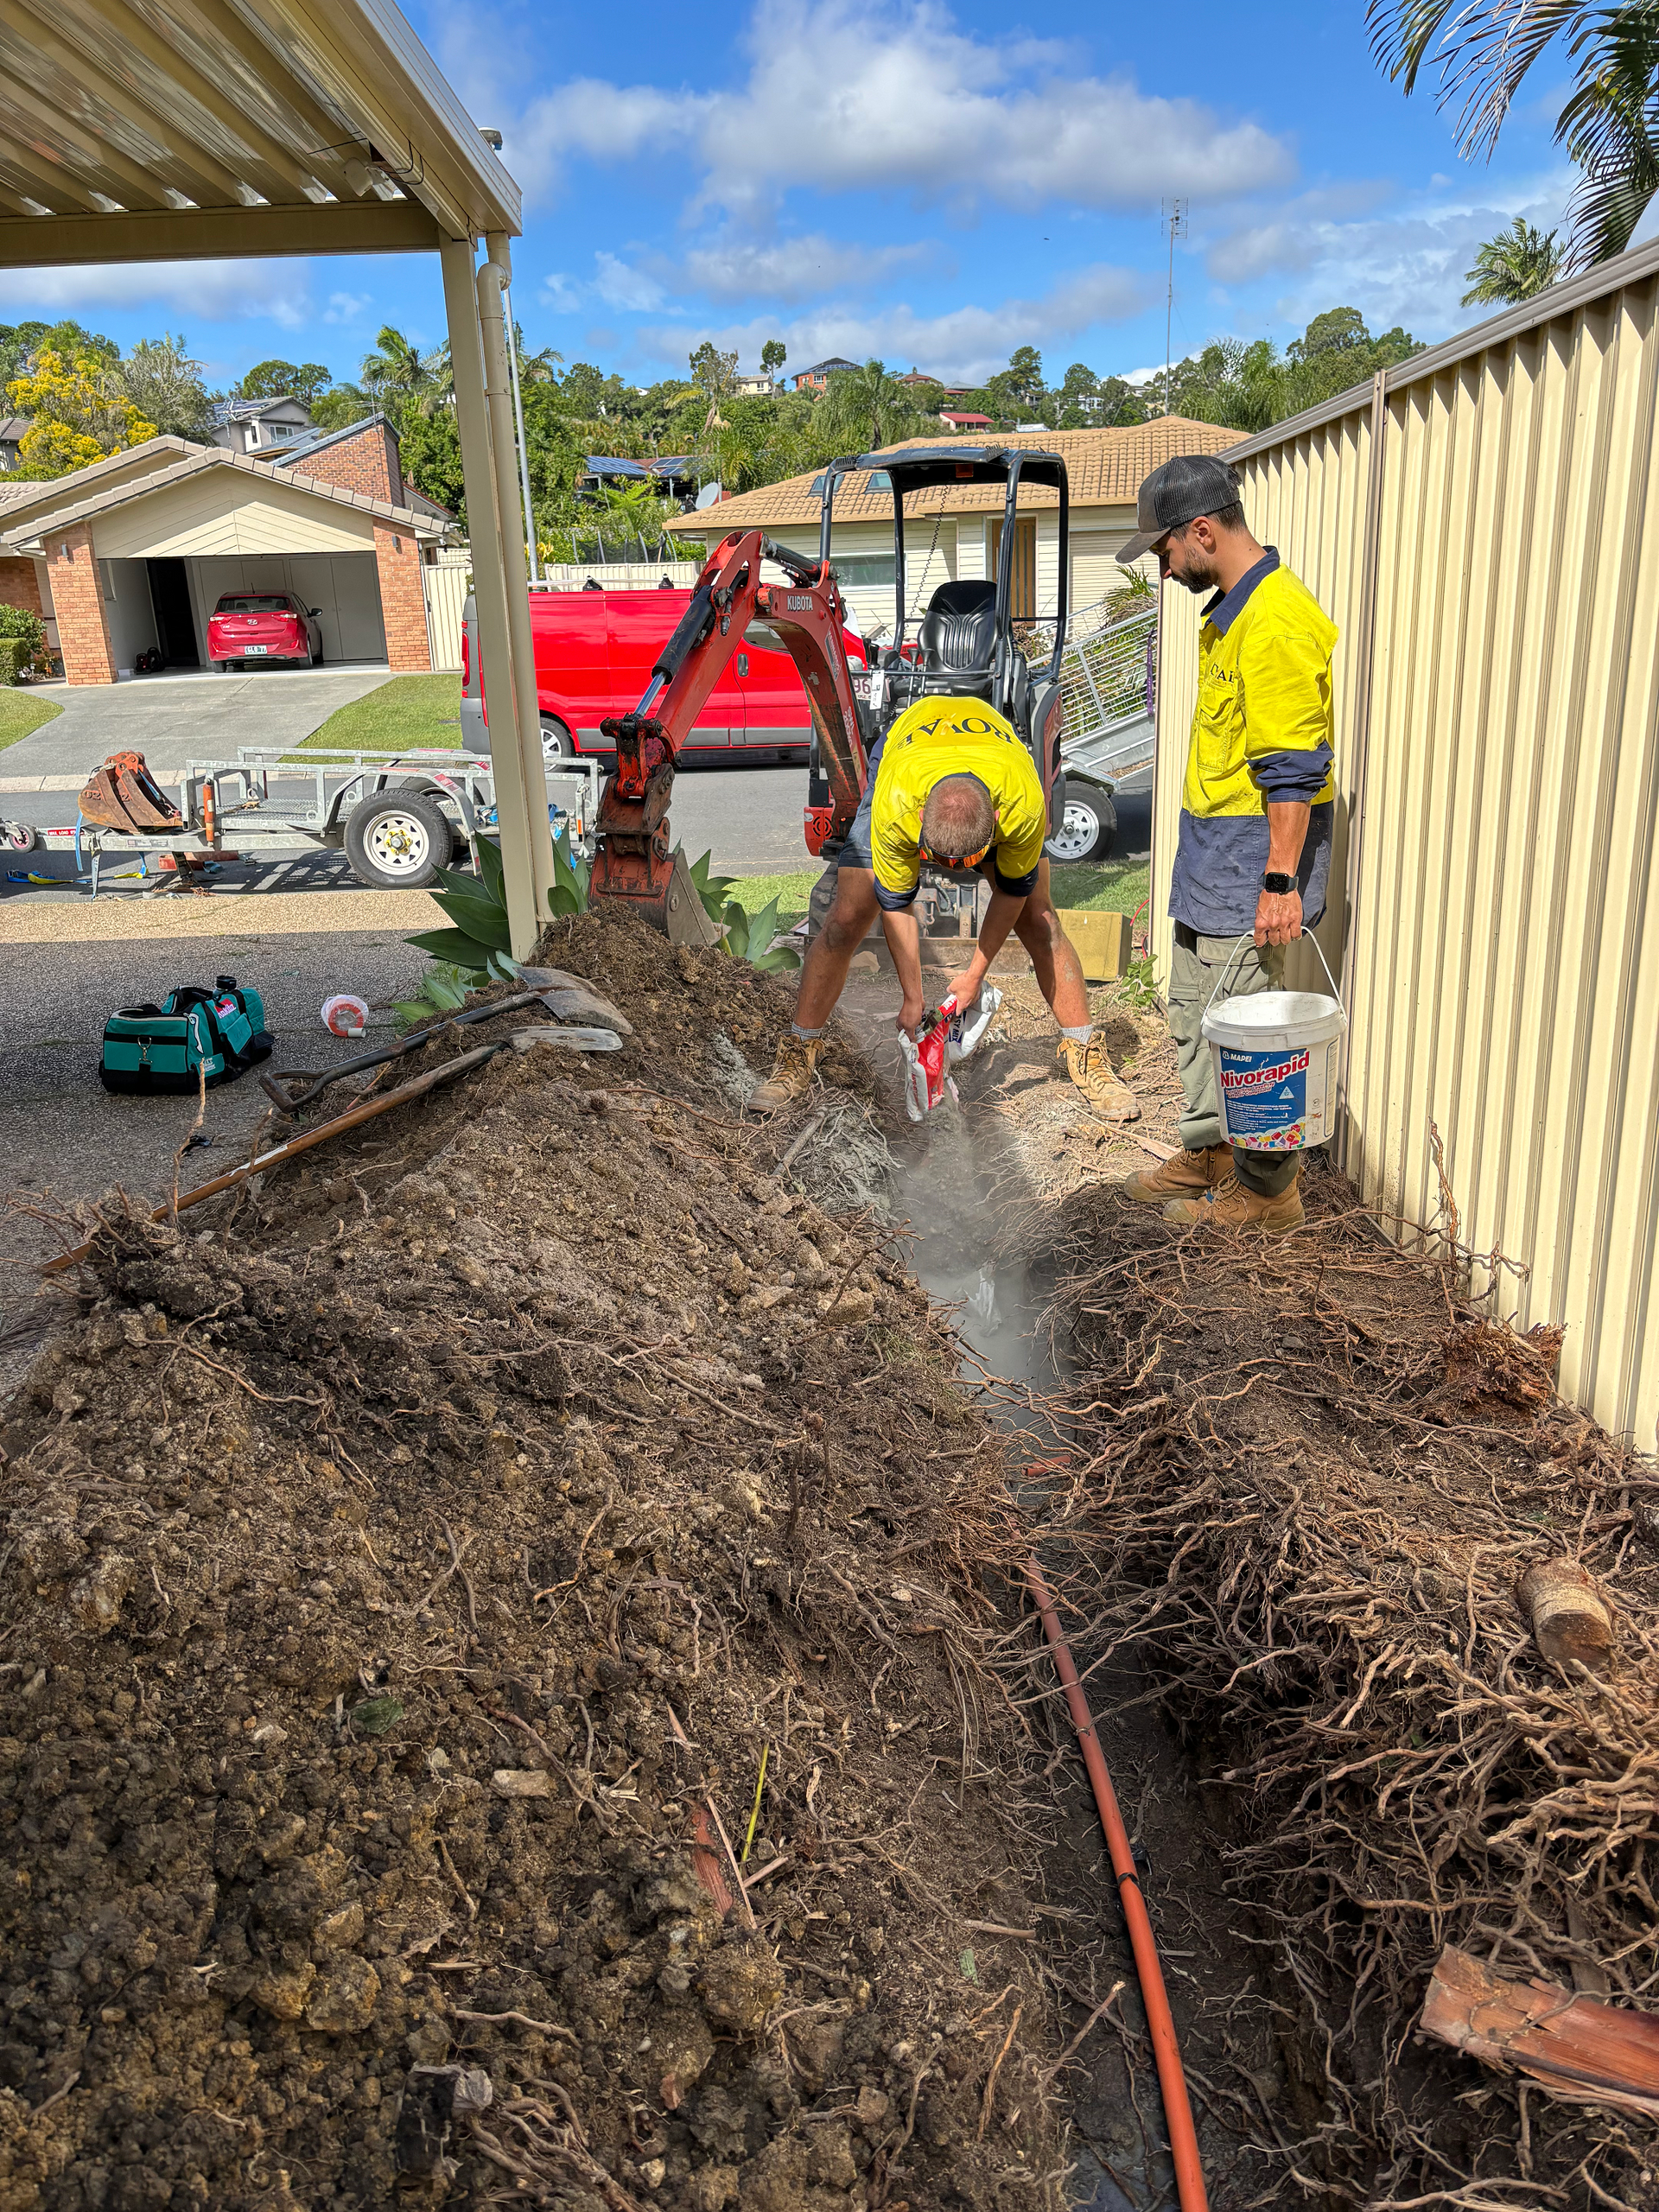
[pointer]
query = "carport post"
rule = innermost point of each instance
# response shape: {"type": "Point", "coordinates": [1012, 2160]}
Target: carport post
{"type": "Point", "coordinates": [494, 279]}
{"type": "Point", "coordinates": [497, 574]}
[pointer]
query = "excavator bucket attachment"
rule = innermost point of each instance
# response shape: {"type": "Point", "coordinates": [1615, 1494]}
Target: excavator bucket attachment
{"type": "Point", "coordinates": [659, 890]}
{"type": "Point", "coordinates": [123, 795]}
{"type": "Point", "coordinates": [685, 917]}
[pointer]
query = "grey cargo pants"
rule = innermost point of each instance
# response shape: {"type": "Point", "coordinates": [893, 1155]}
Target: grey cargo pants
{"type": "Point", "coordinates": [1194, 972]}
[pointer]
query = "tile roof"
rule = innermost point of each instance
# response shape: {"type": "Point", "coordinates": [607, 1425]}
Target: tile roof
{"type": "Point", "coordinates": [1103, 468]}
{"type": "Point", "coordinates": [192, 460]}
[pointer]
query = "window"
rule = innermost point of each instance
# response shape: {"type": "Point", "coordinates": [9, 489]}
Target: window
{"type": "Point", "coordinates": [865, 568]}
{"type": "Point", "coordinates": [248, 602]}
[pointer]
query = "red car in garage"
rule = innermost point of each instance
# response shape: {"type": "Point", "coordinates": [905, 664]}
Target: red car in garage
{"type": "Point", "coordinates": [247, 626]}
{"type": "Point", "coordinates": [593, 655]}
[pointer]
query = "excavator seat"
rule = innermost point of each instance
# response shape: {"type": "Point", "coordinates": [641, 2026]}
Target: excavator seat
{"type": "Point", "coordinates": [959, 645]}
{"type": "Point", "coordinates": [959, 638]}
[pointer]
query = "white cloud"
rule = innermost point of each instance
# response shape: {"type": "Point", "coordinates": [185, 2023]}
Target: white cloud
{"type": "Point", "coordinates": [852, 98]}
{"type": "Point", "coordinates": [967, 343]}
{"type": "Point", "coordinates": [1406, 264]}
{"type": "Point", "coordinates": [346, 307]}
{"type": "Point", "coordinates": [628, 289]}
{"type": "Point", "coordinates": [210, 291]}
{"type": "Point", "coordinates": [787, 269]}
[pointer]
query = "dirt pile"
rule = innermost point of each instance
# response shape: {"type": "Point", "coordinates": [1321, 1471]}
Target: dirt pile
{"type": "Point", "coordinates": [409, 1575]}
{"type": "Point", "coordinates": [1303, 1487]}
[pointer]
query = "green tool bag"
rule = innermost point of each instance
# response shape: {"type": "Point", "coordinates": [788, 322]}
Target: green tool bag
{"type": "Point", "coordinates": [167, 1047]}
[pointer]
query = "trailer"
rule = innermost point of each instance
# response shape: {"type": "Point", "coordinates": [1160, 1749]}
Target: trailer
{"type": "Point", "coordinates": [398, 816]}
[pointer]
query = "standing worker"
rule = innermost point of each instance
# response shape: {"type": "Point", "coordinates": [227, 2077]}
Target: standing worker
{"type": "Point", "coordinates": [1256, 812]}
{"type": "Point", "coordinates": [949, 783]}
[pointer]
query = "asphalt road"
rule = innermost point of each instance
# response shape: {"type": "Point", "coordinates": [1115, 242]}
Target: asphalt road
{"type": "Point", "coordinates": [749, 818]}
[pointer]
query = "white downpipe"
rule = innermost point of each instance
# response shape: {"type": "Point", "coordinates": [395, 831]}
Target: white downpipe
{"type": "Point", "coordinates": [524, 446]}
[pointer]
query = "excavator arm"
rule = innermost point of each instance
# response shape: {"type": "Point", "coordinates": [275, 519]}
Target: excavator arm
{"type": "Point", "coordinates": [634, 860]}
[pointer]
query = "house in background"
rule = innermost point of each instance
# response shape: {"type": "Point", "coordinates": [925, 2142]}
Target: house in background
{"type": "Point", "coordinates": [135, 551]}
{"type": "Point", "coordinates": [760, 385]}
{"type": "Point", "coordinates": [817, 377]}
{"type": "Point", "coordinates": [256, 425]}
{"type": "Point", "coordinates": [12, 428]}
{"type": "Point", "coordinates": [956, 529]}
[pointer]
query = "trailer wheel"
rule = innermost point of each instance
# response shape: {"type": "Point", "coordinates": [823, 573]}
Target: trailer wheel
{"type": "Point", "coordinates": [21, 836]}
{"type": "Point", "coordinates": [398, 841]}
{"type": "Point", "coordinates": [1087, 830]}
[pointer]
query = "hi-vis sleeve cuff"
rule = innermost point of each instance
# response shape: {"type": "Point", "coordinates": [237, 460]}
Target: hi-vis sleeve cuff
{"type": "Point", "coordinates": [1015, 887]}
{"type": "Point", "coordinates": [1287, 776]}
{"type": "Point", "coordinates": [894, 902]}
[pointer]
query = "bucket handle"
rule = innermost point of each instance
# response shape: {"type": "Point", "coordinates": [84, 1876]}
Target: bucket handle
{"type": "Point", "coordinates": [1249, 937]}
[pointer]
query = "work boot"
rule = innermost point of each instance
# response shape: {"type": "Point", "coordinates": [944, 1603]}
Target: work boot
{"type": "Point", "coordinates": [1090, 1069]}
{"type": "Point", "coordinates": [1230, 1205]}
{"type": "Point", "coordinates": [791, 1075]}
{"type": "Point", "coordinates": [1188, 1175]}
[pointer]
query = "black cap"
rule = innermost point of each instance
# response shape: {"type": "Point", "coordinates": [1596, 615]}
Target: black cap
{"type": "Point", "coordinates": [1191, 485]}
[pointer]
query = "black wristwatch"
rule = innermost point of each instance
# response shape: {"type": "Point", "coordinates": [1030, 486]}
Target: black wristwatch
{"type": "Point", "coordinates": [1279, 885]}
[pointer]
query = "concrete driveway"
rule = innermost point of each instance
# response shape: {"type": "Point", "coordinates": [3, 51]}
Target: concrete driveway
{"type": "Point", "coordinates": [174, 719]}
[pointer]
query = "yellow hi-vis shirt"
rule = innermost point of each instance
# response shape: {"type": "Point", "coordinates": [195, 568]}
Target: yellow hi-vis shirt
{"type": "Point", "coordinates": [1263, 731]}
{"type": "Point", "coordinates": [938, 738]}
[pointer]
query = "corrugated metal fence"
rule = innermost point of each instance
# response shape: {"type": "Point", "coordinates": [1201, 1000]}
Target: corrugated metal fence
{"type": "Point", "coordinates": [1483, 523]}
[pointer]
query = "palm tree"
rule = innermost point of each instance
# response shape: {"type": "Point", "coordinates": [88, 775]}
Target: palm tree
{"type": "Point", "coordinates": [1609, 125]}
{"type": "Point", "coordinates": [1518, 264]}
{"type": "Point", "coordinates": [870, 400]}
{"type": "Point", "coordinates": [401, 370]}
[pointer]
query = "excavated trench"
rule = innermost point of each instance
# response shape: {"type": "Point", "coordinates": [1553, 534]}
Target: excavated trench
{"type": "Point", "coordinates": [964, 1182]}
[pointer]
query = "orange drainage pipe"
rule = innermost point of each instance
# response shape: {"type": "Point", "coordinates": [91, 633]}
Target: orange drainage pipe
{"type": "Point", "coordinates": [1177, 2112]}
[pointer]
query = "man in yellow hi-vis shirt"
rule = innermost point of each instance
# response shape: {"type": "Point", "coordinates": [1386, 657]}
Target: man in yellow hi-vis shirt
{"type": "Point", "coordinates": [1256, 809]}
{"type": "Point", "coordinates": [949, 783]}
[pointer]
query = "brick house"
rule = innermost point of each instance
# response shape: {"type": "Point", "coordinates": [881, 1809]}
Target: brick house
{"type": "Point", "coordinates": [135, 551]}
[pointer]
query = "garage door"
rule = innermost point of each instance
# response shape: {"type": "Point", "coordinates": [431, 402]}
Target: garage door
{"type": "Point", "coordinates": [344, 587]}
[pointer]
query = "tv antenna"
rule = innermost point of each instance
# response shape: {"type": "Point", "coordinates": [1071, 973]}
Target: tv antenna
{"type": "Point", "coordinates": [1174, 223]}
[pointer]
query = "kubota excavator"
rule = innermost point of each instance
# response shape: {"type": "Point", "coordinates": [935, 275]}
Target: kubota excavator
{"type": "Point", "coordinates": [964, 645]}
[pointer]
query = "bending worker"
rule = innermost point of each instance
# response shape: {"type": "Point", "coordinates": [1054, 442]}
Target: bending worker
{"type": "Point", "coordinates": [1256, 808]}
{"type": "Point", "coordinates": [949, 783]}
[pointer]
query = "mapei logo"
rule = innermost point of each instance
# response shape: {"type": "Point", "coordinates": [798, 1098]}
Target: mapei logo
{"type": "Point", "coordinates": [1236, 1081]}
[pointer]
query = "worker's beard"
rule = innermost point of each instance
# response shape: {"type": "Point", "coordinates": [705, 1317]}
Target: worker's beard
{"type": "Point", "coordinates": [1198, 577]}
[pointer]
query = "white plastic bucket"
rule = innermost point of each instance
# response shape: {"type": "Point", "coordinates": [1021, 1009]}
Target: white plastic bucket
{"type": "Point", "coordinates": [1274, 1055]}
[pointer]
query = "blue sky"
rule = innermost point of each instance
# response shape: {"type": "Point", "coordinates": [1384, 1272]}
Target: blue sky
{"type": "Point", "coordinates": [932, 183]}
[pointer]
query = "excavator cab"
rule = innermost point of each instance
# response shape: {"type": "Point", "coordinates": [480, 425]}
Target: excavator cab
{"type": "Point", "coordinates": [975, 637]}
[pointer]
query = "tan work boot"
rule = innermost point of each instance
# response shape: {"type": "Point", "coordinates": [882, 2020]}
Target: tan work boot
{"type": "Point", "coordinates": [1188, 1175]}
{"type": "Point", "coordinates": [1231, 1206]}
{"type": "Point", "coordinates": [1090, 1069]}
{"type": "Point", "coordinates": [792, 1073]}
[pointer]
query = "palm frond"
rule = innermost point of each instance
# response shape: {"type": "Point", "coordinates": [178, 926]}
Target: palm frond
{"type": "Point", "coordinates": [1485, 49]}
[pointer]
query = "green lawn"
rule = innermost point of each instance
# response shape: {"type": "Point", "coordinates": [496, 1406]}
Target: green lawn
{"type": "Point", "coordinates": [1117, 886]}
{"type": "Point", "coordinates": [408, 714]}
{"type": "Point", "coordinates": [21, 712]}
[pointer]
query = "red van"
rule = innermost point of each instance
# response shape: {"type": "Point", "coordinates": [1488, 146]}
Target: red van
{"type": "Point", "coordinates": [593, 655]}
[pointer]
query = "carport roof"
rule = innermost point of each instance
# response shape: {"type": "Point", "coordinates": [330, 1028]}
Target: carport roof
{"type": "Point", "coordinates": [165, 129]}
{"type": "Point", "coordinates": [38, 518]}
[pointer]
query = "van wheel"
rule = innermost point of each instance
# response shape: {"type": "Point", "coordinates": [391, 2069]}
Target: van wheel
{"type": "Point", "coordinates": [1088, 828]}
{"type": "Point", "coordinates": [398, 841]}
{"type": "Point", "coordinates": [557, 744]}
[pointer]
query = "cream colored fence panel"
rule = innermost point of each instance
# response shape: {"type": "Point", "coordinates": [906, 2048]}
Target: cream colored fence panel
{"type": "Point", "coordinates": [447, 583]}
{"type": "Point", "coordinates": [1498, 585]}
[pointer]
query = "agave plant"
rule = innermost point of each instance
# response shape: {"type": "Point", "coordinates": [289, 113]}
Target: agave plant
{"type": "Point", "coordinates": [749, 937]}
{"type": "Point", "coordinates": [477, 948]}
{"type": "Point", "coordinates": [711, 889]}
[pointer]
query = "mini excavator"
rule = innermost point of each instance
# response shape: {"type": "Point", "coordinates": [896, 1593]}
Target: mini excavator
{"type": "Point", "coordinates": [965, 645]}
